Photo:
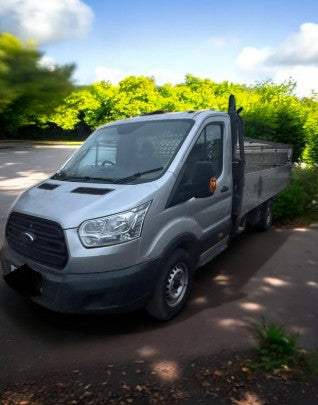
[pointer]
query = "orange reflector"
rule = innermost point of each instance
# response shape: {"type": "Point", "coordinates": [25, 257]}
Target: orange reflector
{"type": "Point", "coordinates": [212, 184]}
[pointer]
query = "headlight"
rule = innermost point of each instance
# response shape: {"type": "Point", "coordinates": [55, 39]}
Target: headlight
{"type": "Point", "coordinates": [117, 228]}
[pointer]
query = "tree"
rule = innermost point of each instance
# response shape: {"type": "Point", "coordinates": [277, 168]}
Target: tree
{"type": "Point", "coordinates": [310, 106]}
{"type": "Point", "coordinates": [270, 111]}
{"type": "Point", "coordinates": [27, 88]}
{"type": "Point", "coordinates": [277, 115]}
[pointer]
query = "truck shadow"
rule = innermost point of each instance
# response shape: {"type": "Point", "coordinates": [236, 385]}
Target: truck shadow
{"type": "Point", "coordinates": [223, 279]}
{"type": "Point", "coordinates": [218, 282]}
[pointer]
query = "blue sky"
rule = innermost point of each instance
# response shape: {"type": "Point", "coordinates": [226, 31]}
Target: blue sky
{"type": "Point", "coordinates": [241, 41]}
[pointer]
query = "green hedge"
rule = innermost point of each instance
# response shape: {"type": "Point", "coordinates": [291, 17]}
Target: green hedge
{"type": "Point", "coordinates": [51, 132]}
{"type": "Point", "coordinates": [300, 198]}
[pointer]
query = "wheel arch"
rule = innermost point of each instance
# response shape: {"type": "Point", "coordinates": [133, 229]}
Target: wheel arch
{"type": "Point", "coordinates": [187, 242]}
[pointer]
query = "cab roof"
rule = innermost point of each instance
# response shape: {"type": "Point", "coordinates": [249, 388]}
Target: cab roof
{"type": "Point", "coordinates": [162, 115]}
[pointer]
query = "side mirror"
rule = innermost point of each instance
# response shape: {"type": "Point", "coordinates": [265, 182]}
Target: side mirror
{"type": "Point", "coordinates": [203, 182]}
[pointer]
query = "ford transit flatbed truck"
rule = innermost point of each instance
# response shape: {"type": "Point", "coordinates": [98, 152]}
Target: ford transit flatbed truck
{"type": "Point", "coordinates": [137, 209]}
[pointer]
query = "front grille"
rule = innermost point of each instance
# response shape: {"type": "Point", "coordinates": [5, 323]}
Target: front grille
{"type": "Point", "coordinates": [37, 239]}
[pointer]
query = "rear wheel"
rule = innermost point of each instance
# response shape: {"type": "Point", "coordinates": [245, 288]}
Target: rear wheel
{"type": "Point", "coordinates": [173, 286]}
{"type": "Point", "coordinates": [266, 216]}
{"type": "Point", "coordinates": [243, 225]}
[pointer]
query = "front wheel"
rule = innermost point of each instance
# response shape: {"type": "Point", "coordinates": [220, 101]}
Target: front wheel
{"type": "Point", "coordinates": [173, 286]}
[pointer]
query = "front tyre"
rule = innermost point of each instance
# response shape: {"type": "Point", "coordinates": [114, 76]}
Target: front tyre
{"type": "Point", "coordinates": [173, 287]}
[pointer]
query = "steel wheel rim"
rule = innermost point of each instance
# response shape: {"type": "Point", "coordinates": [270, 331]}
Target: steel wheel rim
{"type": "Point", "coordinates": [268, 216]}
{"type": "Point", "coordinates": [177, 283]}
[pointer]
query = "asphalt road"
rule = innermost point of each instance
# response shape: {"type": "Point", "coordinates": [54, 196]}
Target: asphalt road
{"type": "Point", "coordinates": [271, 275]}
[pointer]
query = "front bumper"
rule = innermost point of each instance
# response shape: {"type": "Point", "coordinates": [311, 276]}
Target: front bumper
{"type": "Point", "coordinates": [115, 291]}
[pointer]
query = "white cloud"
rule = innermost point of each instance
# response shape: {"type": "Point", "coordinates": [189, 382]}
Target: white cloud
{"type": "Point", "coordinates": [161, 76]}
{"type": "Point", "coordinates": [108, 74]}
{"type": "Point", "coordinates": [216, 42]}
{"type": "Point", "coordinates": [300, 48]}
{"type": "Point", "coordinates": [296, 57]}
{"type": "Point", "coordinates": [251, 59]}
{"type": "Point", "coordinates": [47, 62]}
{"type": "Point", "coordinates": [45, 21]}
{"type": "Point", "coordinates": [212, 43]}
{"type": "Point", "coordinates": [305, 76]}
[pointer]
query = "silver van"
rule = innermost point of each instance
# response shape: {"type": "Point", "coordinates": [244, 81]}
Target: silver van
{"type": "Point", "coordinates": [137, 209]}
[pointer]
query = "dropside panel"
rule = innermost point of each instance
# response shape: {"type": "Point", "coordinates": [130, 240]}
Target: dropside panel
{"type": "Point", "coordinates": [262, 185]}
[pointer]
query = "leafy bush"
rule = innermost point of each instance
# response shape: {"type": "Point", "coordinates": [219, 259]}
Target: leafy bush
{"type": "Point", "coordinates": [277, 123]}
{"type": "Point", "coordinates": [278, 351]}
{"type": "Point", "coordinates": [276, 348]}
{"type": "Point", "coordinates": [301, 197]}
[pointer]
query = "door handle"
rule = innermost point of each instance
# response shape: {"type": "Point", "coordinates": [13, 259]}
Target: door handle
{"type": "Point", "coordinates": [224, 189]}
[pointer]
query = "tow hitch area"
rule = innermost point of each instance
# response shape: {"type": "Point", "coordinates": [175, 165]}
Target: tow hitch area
{"type": "Point", "coordinates": [25, 280]}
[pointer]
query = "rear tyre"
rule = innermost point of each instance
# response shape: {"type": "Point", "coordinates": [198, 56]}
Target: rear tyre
{"type": "Point", "coordinates": [173, 286]}
{"type": "Point", "coordinates": [266, 216]}
{"type": "Point", "coordinates": [243, 225]}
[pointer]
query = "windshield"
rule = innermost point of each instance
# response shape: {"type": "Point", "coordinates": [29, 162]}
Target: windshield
{"type": "Point", "coordinates": [134, 152]}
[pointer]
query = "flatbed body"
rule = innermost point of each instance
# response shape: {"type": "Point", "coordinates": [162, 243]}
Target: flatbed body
{"type": "Point", "coordinates": [267, 171]}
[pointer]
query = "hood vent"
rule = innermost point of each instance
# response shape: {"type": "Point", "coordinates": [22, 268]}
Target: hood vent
{"type": "Point", "coordinates": [48, 186]}
{"type": "Point", "coordinates": [91, 190]}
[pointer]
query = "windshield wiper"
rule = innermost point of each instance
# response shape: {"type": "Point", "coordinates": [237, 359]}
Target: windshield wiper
{"type": "Point", "coordinates": [58, 175]}
{"type": "Point", "coordinates": [136, 175]}
{"type": "Point", "coordinates": [63, 176]}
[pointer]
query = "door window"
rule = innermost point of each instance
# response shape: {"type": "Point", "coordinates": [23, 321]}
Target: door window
{"type": "Point", "coordinates": [208, 148]}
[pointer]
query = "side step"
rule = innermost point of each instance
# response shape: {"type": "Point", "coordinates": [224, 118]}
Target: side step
{"type": "Point", "coordinates": [215, 250]}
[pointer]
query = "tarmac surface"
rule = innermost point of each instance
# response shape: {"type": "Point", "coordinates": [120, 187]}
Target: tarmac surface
{"type": "Point", "coordinates": [271, 275]}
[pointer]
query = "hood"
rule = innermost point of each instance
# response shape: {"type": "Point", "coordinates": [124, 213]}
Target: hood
{"type": "Point", "coordinates": [71, 203]}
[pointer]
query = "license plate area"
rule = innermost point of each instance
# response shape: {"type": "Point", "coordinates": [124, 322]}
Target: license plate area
{"type": "Point", "coordinates": [24, 280]}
